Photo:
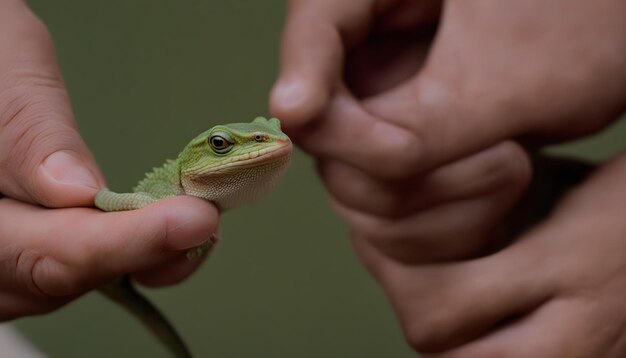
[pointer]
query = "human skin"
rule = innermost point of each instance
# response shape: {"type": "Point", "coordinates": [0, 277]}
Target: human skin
{"type": "Point", "coordinates": [557, 292]}
{"type": "Point", "coordinates": [52, 247]}
{"type": "Point", "coordinates": [425, 130]}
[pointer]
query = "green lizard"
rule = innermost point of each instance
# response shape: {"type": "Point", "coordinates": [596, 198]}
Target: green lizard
{"type": "Point", "coordinates": [229, 165]}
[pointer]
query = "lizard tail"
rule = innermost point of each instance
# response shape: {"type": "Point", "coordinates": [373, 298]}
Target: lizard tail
{"type": "Point", "coordinates": [124, 293]}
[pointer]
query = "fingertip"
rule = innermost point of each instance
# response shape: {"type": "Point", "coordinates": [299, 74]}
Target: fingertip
{"type": "Point", "coordinates": [296, 102]}
{"type": "Point", "coordinates": [190, 221]}
{"type": "Point", "coordinates": [311, 60]}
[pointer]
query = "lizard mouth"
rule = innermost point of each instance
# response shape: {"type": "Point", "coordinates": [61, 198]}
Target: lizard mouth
{"type": "Point", "coordinates": [266, 155]}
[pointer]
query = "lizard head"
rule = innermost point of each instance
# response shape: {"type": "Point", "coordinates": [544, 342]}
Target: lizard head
{"type": "Point", "coordinates": [234, 164]}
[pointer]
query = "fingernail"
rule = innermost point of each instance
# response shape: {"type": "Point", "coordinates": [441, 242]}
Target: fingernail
{"type": "Point", "coordinates": [67, 169]}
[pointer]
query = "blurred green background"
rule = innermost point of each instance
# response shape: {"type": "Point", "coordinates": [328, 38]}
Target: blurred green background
{"type": "Point", "coordinates": [145, 77]}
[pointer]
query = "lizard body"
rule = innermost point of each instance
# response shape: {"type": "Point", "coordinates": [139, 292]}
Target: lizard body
{"type": "Point", "coordinates": [229, 165]}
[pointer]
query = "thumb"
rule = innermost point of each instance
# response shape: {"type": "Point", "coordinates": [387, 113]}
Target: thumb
{"type": "Point", "coordinates": [312, 54]}
{"type": "Point", "coordinates": [43, 158]}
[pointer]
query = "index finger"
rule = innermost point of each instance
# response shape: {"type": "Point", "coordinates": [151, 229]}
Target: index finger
{"type": "Point", "coordinates": [73, 250]}
{"type": "Point", "coordinates": [312, 53]}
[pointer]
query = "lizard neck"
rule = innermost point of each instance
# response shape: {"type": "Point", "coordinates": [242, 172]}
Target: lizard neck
{"type": "Point", "coordinates": [162, 181]}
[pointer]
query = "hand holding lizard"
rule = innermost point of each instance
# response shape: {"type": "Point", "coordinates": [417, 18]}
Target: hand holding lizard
{"type": "Point", "coordinates": [52, 250]}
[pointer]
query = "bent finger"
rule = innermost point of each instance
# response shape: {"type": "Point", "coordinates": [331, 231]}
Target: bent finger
{"type": "Point", "coordinates": [560, 328]}
{"type": "Point", "coordinates": [177, 269]}
{"type": "Point", "coordinates": [455, 231]}
{"type": "Point", "coordinates": [347, 133]}
{"type": "Point", "coordinates": [504, 166]}
{"type": "Point", "coordinates": [443, 306]}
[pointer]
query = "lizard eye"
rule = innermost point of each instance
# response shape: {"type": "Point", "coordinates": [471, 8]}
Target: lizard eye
{"type": "Point", "coordinates": [220, 144]}
{"type": "Point", "coordinates": [259, 137]}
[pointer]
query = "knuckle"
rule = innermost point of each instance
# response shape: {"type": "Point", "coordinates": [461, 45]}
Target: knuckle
{"type": "Point", "coordinates": [26, 24]}
{"type": "Point", "coordinates": [41, 275]}
{"type": "Point", "coordinates": [380, 234]}
{"type": "Point", "coordinates": [371, 227]}
{"type": "Point", "coordinates": [520, 168]}
{"type": "Point", "coordinates": [401, 238]}
{"type": "Point", "coordinates": [398, 154]}
{"type": "Point", "coordinates": [508, 167]}
{"type": "Point", "coordinates": [17, 265]}
{"type": "Point", "coordinates": [431, 332]}
{"type": "Point", "coordinates": [38, 276]}
{"type": "Point", "coordinates": [16, 116]}
{"type": "Point", "coordinates": [29, 92]}
{"type": "Point", "coordinates": [24, 108]}
{"type": "Point", "coordinates": [382, 199]}
{"type": "Point", "coordinates": [26, 131]}
{"type": "Point", "coordinates": [38, 29]}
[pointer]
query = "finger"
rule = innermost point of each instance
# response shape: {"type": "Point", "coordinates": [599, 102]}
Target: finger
{"type": "Point", "coordinates": [169, 273]}
{"type": "Point", "coordinates": [398, 16]}
{"type": "Point", "coordinates": [347, 133]}
{"type": "Point", "coordinates": [177, 269]}
{"type": "Point", "coordinates": [560, 328]}
{"type": "Point", "coordinates": [467, 230]}
{"type": "Point", "coordinates": [97, 246]}
{"type": "Point", "coordinates": [312, 54]}
{"type": "Point", "coordinates": [15, 305]}
{"type": "Point", "coordinates": [42, 156]}
{"type": "Point", "coordinates": [402, 133]}
{"type": "Point", "coordinates": [444, 306]}
{"type": "Point", "coordinates": [504, 166]}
